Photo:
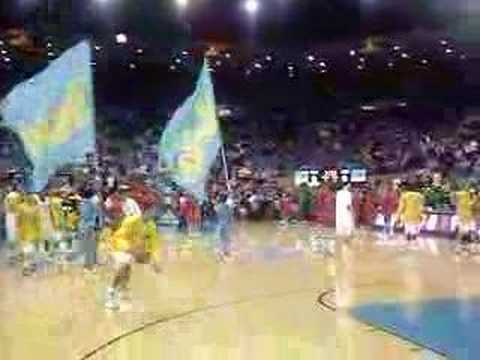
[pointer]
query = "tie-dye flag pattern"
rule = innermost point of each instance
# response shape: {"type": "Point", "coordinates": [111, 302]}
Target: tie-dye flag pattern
{"type": "Point", "coordinates": [53, 114]}
{"type": "Point", "coordinates": [190, 143]}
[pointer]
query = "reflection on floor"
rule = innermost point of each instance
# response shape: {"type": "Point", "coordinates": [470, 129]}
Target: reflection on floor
{"type": "Point", "coordinates": [262, 304]}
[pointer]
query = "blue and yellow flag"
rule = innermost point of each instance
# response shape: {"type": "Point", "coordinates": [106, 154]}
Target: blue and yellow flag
{"type": "Point", "coordinates": [191, 141]}
{"type": "Point", "coordinates": [53, 114]}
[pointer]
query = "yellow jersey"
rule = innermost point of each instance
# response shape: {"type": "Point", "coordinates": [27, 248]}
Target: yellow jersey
{"type": "Point", "coordinates": [12, 200]}
{"type": "Point", "coordinates": [130, 236]}
{"type": "Point", "coordinates": [411, 207]}
{"type": "Point", "coordinates": [465, 202]}
{"type": "Point", "coordinates": [58, 218]}
{"type": "Point", "coordinates": [29, 222]}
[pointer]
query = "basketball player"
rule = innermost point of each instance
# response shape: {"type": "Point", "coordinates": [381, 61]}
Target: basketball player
{"type": "Point", "coordinates": [411, 211]}
{"type": "Point", "coordinates": [125, 242]}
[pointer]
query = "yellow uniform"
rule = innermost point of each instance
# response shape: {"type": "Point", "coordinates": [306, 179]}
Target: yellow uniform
{"type": "Point", "coordinates": [72, 220]}
{"type": "Point", "coordinates": [476, 211]}
{"type": "Point", "coordinates": [153, 241]}
{"type": "Point", "coordinates": [476, 207]}
{"type": "Point", "coordinates": [130, 236]}
{"type": "Point", "coordinates": [411, 207]}
{"type": "Point", "coordinates": [29, 222]}
{"type": "Point", "coordinates": [57, 213]}
{"type": "Point", "coordinates": [411, 210]}
{"type": "Point", "coordinates": [465, 202]}
{"type": "Point", "coordinates": [12, 200]}
{"type": "Point", "coordinates": [128, 240]}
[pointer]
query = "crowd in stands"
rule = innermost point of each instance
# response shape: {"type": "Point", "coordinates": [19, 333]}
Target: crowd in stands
{"type": "Point", "coordinates": [461, 152]}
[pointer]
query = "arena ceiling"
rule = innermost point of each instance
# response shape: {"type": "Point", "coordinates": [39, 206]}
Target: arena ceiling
{"type": "Point", "coordinates": [278, 22]}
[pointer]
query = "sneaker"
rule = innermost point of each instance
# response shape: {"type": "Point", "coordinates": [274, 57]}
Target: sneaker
{"type": "Point", "coordinates": [111, 304]}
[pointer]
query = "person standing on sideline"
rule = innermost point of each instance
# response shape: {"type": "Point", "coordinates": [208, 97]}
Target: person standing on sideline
{"type": "Point", "coordinates": [208, 214]}
{"type": "Point", "coordinates": [325, 205]}
{"type": "Point", "coordinates": [305, 202]}
{"type": "Point", "coordinates": [476, 213]}
{"type": "Point", "coordinates": [224, 210]}
{"type": "Point", "coordinates": [47, 223]}
{"type": "Point", "coordinates": [286, 208]}
{"type": "Point", "coordinates": [183, 210]}
{"type": "Point", "coordinates": [465, 201]}
{"type": "Point", "coordinates": [389, 204]}
{"type": "Point", "coordinates": [411, 211]}
{"type": "Point", "coordinates": [344, 219]}
{"type": "Point", "coordinates": [29, 231]}
{"type": "Point", "coordinates": [90, 220]}
{"type": "Point", "coordinates": [11, 202]}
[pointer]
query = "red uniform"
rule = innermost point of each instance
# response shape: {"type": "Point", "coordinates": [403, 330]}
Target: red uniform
{"type": "Point", "coordinates": [389, 202]}
{"type": "Point", "coordinates": [369, 209]}
{"type": "Point", "coordinates": [364, 207]}
{"type": "Point", "coordinates": [196, 215]}
{"type": "Point", "coordinates": [325, 207]}
{"type": "Point", "coordinates": [287, 207]}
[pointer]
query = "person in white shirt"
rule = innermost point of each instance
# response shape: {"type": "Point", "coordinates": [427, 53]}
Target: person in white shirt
{"type": "Point", "coordinates": [124, 242]}
{"type": "Point", "coordinates": [130, 207]}
{"type": "Point", "coordinates": [344, 221]}
{"type": "Point", "coordinates": [11, 200]}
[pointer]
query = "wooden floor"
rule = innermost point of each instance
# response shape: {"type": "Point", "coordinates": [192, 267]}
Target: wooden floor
{"type": "Point", "coordinates": [262, 305]}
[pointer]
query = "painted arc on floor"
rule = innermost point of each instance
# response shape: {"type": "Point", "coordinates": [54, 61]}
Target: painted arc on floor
{"type": "Point", "coordinates": [447, 326]}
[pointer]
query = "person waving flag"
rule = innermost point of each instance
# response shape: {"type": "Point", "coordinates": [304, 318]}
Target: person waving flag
{"type": "Point", "coordinates": [192, 139]}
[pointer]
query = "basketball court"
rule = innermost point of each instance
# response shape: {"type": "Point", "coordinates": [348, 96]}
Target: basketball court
{"type": "Point", "coordinates": [284, 295]}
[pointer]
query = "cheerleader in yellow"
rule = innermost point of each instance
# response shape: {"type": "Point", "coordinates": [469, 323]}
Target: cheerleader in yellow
{"type": "Point", "coordinates": [465, 201]}
{"type": "Point", "coordinates": [29, 231]}
{"type": "Point", "coordinates": [411, 211]}
{"type": "Point", "coordinates": [47, 225]}
{"type": "Point", "coordinates": [57, 216]}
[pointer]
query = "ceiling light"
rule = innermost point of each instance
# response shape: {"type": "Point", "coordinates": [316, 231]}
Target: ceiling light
{"type": "Point", "coordinates": [121, 38]}
{"type": "Point", "coordinates": [252, 6]}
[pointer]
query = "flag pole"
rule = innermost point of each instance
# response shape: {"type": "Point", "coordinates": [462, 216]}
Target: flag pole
{"type": "Point", "coordinates": [225, 167]}
{"type": "Point", "coordinates": [222, 148]}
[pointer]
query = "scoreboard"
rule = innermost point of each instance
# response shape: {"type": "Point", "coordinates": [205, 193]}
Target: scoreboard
{"type": "Point", "coordinates": [315, 177]}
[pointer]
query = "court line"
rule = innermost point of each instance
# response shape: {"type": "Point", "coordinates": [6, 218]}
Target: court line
{"type": "Point", "coordinates": [167, 319]}
{"type": "Point", "coordinates": [323, 303]}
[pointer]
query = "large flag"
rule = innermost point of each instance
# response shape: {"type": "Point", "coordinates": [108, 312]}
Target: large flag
{"type": "Point", "coordinates": [53, 114]}
{"type": "Point", "coordinates": [191, 141]}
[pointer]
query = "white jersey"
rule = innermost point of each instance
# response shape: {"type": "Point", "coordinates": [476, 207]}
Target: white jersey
{"type": "Point", "coordinates": [131, 208]}
{"type": "Point", "coordinates": [344, 216]}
